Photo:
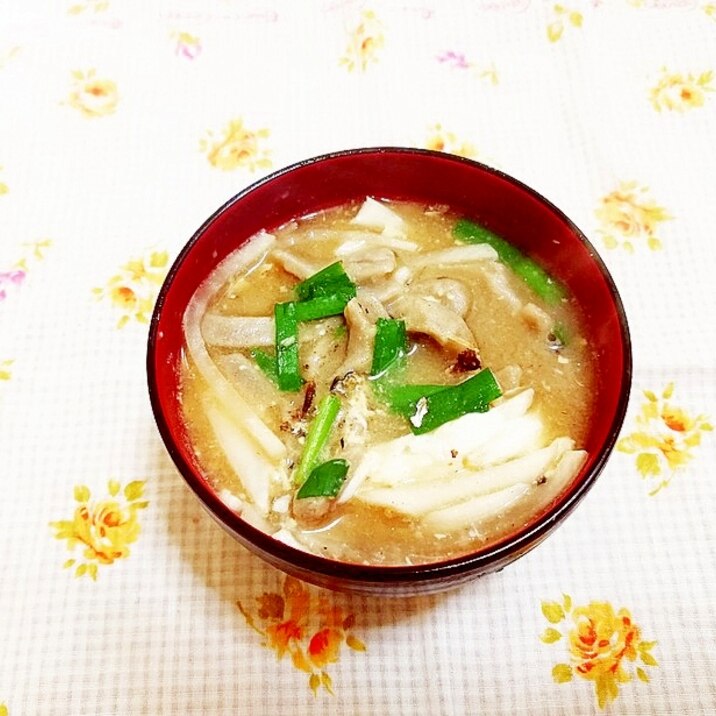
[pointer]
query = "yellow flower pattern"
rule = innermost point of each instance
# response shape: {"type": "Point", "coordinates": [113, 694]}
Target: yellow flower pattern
{"type": "Point", "coordinates": [90, 5]}
{"type": "Point", "coordinates": [91, 95]}
{"type": "Point", "coordinates": [710, 9]}
{"type": "Point", "coordinates": [134, 289]}
{"type": "Point", "coordinates": [103, 529]}
{"type": "Point", "coordinates": [9, 54]}
{"type": "Point", "coordinates": [186, 45]}
{"type": "Point", "coordinates": [309, 627]}
{"type": "Point", "coordinates": [677, 92]}
{"type": "Point", "coordinates": [4, 189]}
{"type": "Point", "coordinates": [628, 216]}
{"type": "Point", "coordinates": [5, 369]}
{"type": "Point", "coordinates": [603, 646]}
{"type": "Point", "coordinates": [365, 43]}
{"type": "Point", "coordinates": [3, 710]}
{"type": "Point", "coordinates": [443, 140]}
{"type": "Point", "coordinates": [238, 147]}
{"type": "Point", "coordinates": [563, 17]}
{"type": "Point", "coordinates": [664, 439]}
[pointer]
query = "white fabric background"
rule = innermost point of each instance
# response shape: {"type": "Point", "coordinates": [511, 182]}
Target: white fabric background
{"type": "Point", "coordinates": [159, 632]}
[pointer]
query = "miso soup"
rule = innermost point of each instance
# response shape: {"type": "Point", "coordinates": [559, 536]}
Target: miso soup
{"type": "Point", "coordinates": [385, 383]}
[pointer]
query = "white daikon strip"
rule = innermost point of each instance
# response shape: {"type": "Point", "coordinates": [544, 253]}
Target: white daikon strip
{"type": "Point", "coordinates": [416, 499]}
{"type": "Point", "coordinates": [557, 479]}
{"type": "Point", "coordinates": [525, 434]}
{"type": "Point", "coordinates": [567, 468]}
{"type": "Point", "coordinates": [255, 472]}
{"type": "Point", "coordinates": [287, 537]}
{"type": "Point", "coordinates": [389, 289]}
{"type": "Point", "coordinates": [245, 510]}
{"type": "Point", "coordinates": [248, 379]}
{"type": "Point", "coordinates": [296, 265]}
{"type": "Point", "coordinates": [476, 510]}
{"type": "Point", "coordinates": [238, 331]}
{"type": "Point", "coordinates": [409, 457]}
{"type": "Point", "coordinates": [378, 216]}
{"type": "Point", "coordinates": [243, 260]}
{"type": "Point", "coordinates": [373, 241]}
{"type": "Point", "coordinates": [457, 255]}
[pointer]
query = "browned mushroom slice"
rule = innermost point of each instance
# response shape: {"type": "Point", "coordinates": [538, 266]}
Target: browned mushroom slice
{"type": "Point", "coordinates": [428, 316]}
{"type": "Point", "coordinates": [369, 264]}
{"type": "Point", "coordinates": [294, 264]}
{"type": "Point", "coordinates": [453, 294]}
{"type": "Point", "coordinates": [361, 315]}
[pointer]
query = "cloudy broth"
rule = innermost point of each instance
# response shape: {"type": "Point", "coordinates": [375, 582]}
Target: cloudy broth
{"type": "Point", "coordinates": [533, 346]}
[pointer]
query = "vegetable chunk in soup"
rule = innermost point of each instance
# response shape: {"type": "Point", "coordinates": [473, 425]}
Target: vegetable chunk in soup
{"type": "Point", "coordinates": [385, 383]}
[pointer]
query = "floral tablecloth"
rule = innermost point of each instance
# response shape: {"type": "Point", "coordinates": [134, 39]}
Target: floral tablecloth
{"type": "Point", "coordinates": [122, 126]}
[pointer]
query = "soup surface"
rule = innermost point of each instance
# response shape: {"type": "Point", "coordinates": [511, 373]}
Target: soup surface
{"type": "Point", "coordinates": [423, 396]}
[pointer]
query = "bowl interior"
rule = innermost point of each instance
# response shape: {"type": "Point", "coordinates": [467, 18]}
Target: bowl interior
{"type": "Point", "coordinates": [493, 199]}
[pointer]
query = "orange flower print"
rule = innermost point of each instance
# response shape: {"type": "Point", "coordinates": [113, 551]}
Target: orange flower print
{"type": "Point", "coordinates": [603, 646]}
{"type": "Point", "coordinates": [365, 43]}
{"type": "Point", "coordinates": [664, 438]}
{"type": "Point", "coordinates": [89, 6]}
{"type": "Point", "coordinates": [628, 216]}
{"type": "Point", "coordinates": [677, 92]}
{"type": "Point", "coordinates": [442, 140]}
{"type": "Point", "coordinates": [93, 96]}
{"type": "Point", "coordinates": [310, 629]}
{"type": "Point", "coordinates": [134, 289]}
{"type": "Point", "coordinates": [238, 148]}
{"type": "Point", "coordinates": [103, 529]}
{"type": "Point", "coordinates": [563, 17]}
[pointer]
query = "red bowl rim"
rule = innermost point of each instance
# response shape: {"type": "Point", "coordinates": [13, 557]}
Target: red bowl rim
{"type": "Point", "coordinates": [482, 560]}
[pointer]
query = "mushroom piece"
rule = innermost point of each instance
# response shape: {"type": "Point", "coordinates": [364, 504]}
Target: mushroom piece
{"type": "Point", "coordinates": [498, 283]}
{"type": "Point", "coordinates": [535, 318]}
{"type": "Point", "coordinates": [318, 348]}
{"type": "Point", "coordinates": [369, 264]}
{"type": "Point", "coordinates": [312, 511]}
{"type": "Point", "coordinates": [294, 264]}
{"type": "Point", "coordinates": [361, 315]}
{"type": "Point", "coordinates": [453, 294]}
{"type": "Point", "coordinates": [428, 316]}
{"type": "Point", "coordinates": [389, 288]}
